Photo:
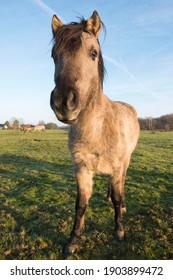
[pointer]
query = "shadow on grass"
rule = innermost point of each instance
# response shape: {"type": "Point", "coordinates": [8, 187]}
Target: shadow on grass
{"type": "Point", "coordinates": [39, 197]}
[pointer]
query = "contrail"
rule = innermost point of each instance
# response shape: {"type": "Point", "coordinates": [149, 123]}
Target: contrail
{"type": "Point", "coordinates": [48, 9]}
{"type": "Point", "coordinates": [114, 61]}
{"type": "Point", "coordinates": [124, 68]}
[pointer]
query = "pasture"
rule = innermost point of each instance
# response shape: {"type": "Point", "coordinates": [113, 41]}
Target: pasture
{"type": "Point", "coordinates": [38, 192]}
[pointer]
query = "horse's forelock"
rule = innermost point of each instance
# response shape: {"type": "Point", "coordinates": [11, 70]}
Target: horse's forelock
{"type": "Point", "coordinates": [68, 38]}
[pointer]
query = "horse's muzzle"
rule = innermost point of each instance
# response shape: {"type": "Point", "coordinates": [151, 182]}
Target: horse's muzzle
{"type": "Point", "coordinates": [65, 106]}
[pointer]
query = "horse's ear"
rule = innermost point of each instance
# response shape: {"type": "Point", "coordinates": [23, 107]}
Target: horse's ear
{"type": "Point", "coordinates": [94, 24]}
{"type": "Point", "coordinates": [56, 22]}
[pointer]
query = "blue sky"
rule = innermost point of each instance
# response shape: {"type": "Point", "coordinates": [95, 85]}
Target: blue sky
{"type": "Point", "coordinates": [138, 54]}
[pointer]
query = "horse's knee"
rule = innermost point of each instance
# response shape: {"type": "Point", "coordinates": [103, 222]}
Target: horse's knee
{"type": "Point", "coordinates": [81, 207]}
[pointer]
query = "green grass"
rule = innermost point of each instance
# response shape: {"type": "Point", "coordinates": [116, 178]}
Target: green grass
{"type": "Point", "coordinates": [38, 191]}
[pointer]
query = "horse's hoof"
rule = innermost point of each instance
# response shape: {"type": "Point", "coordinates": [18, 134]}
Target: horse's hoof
{"type": "Point", "coordinates": [70, 249]}
{"type": "Point", "coordinates": [119, 236]}
{"type": "Point", "coordinates": [123, 210]}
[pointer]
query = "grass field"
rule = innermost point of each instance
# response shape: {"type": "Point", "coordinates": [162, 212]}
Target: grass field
{"type": "Point", "coordinates": [38, 191]}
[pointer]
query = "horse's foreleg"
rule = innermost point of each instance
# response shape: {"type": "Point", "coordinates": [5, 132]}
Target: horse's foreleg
{"type": "Point", "coordinates": [84, 192]}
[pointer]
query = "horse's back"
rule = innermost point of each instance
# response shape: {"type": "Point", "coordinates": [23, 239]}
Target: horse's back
{"type": "Point", "coordinates": [126, 106]}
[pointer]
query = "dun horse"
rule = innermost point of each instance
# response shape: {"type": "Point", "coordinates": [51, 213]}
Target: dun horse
{"type": "Point", "coordinates": [103, 134]}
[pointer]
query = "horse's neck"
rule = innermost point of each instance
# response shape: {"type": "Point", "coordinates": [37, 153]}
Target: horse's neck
{"type": "Point", "coordinates": [91, 119]}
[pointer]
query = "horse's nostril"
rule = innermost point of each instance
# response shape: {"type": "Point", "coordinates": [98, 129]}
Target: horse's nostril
{"type": "Point", "coordinates": [71, 102]}
{"type": "Point", "coordinates": [55, 101]}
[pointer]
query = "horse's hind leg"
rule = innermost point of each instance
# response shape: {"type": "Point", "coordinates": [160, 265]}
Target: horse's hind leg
{"type": "Point", "coordinates": [125, 167]}
{"type": "Point", "coordinates": [123, 197]}
{"type": "Point", "coordinates": [123, 208]}
{"type": "Point", "coordinates": [117, 193]}
{"type": "Point", "coordinates": [84, 192]}
{"type": "Point", "coordinates": [109, 191]}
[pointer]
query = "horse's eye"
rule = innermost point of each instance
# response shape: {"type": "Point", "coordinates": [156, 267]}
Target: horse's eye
{"type": "Point", "coordinates": [94, 54]}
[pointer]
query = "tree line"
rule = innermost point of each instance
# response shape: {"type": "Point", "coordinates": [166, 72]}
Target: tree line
{"type": "Point", "coordinates": [163, 123]}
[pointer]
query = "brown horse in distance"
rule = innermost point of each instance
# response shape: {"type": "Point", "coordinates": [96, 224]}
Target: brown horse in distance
{"type": "Point", "coordinates": [103, 134]}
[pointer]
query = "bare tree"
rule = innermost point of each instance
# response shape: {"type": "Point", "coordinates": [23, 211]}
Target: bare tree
{"type": "Point", "coordinates": [41, 123]}
{"type": "Point", "coordinates": [16, 124]}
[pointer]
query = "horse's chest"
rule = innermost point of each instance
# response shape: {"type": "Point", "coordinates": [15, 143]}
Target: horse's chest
{"type": "Point", "coordinates": [93, 152]}
{"type": "Point", "coordinates": [96, 160]}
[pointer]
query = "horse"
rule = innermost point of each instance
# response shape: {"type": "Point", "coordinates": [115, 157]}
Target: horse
{"type": "Point", "coordinates": [27, 128]}
{"type": "Point", "coordinates": [39, 128]}
{"type": "Point", "coordinates": [102, 134]}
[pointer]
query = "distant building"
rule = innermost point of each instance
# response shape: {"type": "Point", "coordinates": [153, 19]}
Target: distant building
{"type": "Point", "coordinates": [5, 126]}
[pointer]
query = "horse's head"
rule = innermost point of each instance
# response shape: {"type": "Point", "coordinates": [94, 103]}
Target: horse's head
{"type": "Point", "coordinates": [79, 66]}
